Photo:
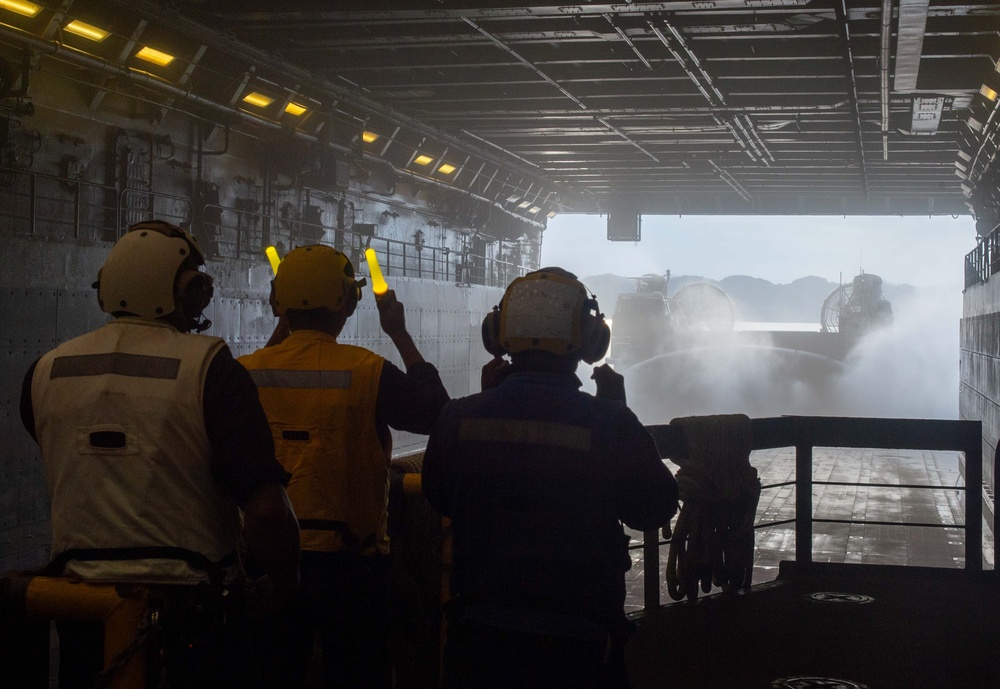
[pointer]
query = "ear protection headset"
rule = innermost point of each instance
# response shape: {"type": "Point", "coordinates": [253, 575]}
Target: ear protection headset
{"type": "Point", "coordinates": [314, 277]}
{"type": "Point", "coordinates": [548, 310]}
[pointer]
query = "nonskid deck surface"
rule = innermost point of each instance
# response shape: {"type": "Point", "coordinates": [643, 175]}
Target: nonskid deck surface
{"type": "Point", "coordinates": [912, 617]}
{"type": "Point", "coordinates": [831, 626]}
{"type": "Point", "coordinates": [853, 543]}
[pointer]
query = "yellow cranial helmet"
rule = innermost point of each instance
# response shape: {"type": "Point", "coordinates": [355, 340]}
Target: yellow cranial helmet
{"type": "Point", "coordinates": [315, 277]}
{"type": "Point", "coordinates": [547, 310]}
{"type": "Point", "coordinates": [152, 272]}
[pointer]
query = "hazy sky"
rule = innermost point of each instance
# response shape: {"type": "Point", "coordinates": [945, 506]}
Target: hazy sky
{"type": "Point", "coordinates": [910, 250]}
{"type": "Point", "coordinates": [908, 371]}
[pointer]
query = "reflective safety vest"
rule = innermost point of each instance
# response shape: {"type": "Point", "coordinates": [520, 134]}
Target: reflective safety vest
{"type": "Point", "coordinates": [320, 398]}
{"type": "Point", "coordinates": [120, 423]}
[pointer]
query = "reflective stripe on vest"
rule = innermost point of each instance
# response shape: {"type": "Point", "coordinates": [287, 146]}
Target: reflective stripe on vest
{"type": "Point", "coordinates": [118, 363]}
{"type": "Point", "coordinates": [526, 431]}
{"type": "Point", "coordinates": [311, 380]}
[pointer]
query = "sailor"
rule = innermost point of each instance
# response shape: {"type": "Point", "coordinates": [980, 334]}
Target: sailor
{"type": "Point", "coordinates": [331, 406]}
{"type": "Point", "coordinates": [153, 440]}
{"type": "Point", "coordinates": [537, 478]}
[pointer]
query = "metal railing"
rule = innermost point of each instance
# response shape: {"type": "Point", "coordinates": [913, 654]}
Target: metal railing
{"type": "Point", "coordinates": [805, 433]}
{"type": "Point", "coordinates": [48, 205]}
{"type": "Point", "coordinates": [237, 233]}
{"type": "Point", "coordinates": [33, 203]}
{"type": "Point", "coordinates": [983, 261]}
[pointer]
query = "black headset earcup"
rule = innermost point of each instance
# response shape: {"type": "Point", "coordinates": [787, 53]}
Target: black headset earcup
{"type": "Point", "coordinates": [194, 292]}
{"type": "Point", "coordinates": [596, 340]}
{"type": "Point", "coordinates": [491, 333]}
{"type": "Point", "coordinates": [352, 295]}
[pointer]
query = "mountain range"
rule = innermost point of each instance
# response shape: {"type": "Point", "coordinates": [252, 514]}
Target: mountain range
{"type": "Point", "coordinates": [755, 300]}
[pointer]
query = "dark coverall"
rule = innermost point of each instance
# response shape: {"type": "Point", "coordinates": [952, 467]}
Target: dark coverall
{"type": "Point", "coordinates": [538, 478]}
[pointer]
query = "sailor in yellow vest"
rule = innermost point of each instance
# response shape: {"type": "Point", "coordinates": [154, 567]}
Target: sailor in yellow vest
{"type": "Point", "coordinates": [152, 437]}
{"type": "Point", "coordinates": [331, 406]}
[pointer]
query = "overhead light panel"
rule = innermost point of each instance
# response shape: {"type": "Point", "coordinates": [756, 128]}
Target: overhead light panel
{"type": "Point", "coordinates": [369, 137]}
{"type": "Point", "coordinates": [513, 198]}
{"type": "Point", "coordinates": [975, 125]}
{"type": "Point", "coordinates": [258, 99]}
{"type": "Point", "coordinates": [295, 109]}
{"type": "Point", "coordinates": [534, 209]}
{"type": "Point", "coordinates": [553, 214]}
{"type": "Point", "coordinates": [157, 57]}
{"type": "Point", "coordinates": [988, 93]}
{"type": "Point", "coordinates": [446, 169]}
{"type": "Point", "coordinates": [964, 156]}
{"type": "Point", "coordinates": [961, 167]}
{"type": "Point", "coordinates": [524, 204]}
{"type": "Point", "coordinates": [28, 9]}
{"type": "Point", "coordinates": [423, 160]}
{"type": "Point", "coordinates": [86, 30]}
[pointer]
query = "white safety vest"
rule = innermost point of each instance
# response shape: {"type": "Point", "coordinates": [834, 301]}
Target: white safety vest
{"type": "Point", "coordinates": [120, 423]}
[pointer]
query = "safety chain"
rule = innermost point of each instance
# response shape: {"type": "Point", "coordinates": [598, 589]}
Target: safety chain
{"type": "Point", "coordinates": [144, 628]}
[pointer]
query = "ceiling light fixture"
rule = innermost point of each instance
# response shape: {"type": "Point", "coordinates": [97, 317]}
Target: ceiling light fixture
{"type": "Point", "coordinates": [295, 109]}
{"type": "Point", "coordinates": [28, 9]}
{"type": "Point", "coordinates": [157, 57]}
{"type": "Point", "coordinates": [446, 169]}
{"type": "Point", "coordinates": [524, 204]}
{"type": "Point", "coordinates": [258, 99]}
{"type": "Point", "coordinates": [86, 30]}
{"type": "Point", "coordinates": [368, 137]}
{"type": "Point", "coordinates": [975, 125]}
{"type": "Point", "coordinates": [423, 160]}
{"type": "Point", "coordinates": [988, 93]}
{"type": "Point", "coordinates": [534, 209]}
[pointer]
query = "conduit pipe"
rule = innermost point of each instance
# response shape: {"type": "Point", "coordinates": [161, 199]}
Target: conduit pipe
{"type": "Point", "coordinates": [60, 51]}
{"type": "Point", "coordinates": [229, 45]}
{"type": "Point", "coordinates": [552, 82]}
{"type": "Point", "coordinates": [884, 58]}
{"type": "Point", "coordinates": [845, 37]}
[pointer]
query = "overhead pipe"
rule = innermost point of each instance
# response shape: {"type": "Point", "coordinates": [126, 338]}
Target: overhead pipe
{"type": "Point", "coordinates": [229, 45]}
{"type": "Point", "coordinates": [72, 55]}
{"type": "Point", "coordinates": [624, 36]}
{"type": "Point", "coordinates": [884, 57]}
{"type": "Point", "coordinates": [549, 80]}
{"type": "Point", "coordinates": [845, 36]}
{"type": "Point", "coordinates": [746, 136]}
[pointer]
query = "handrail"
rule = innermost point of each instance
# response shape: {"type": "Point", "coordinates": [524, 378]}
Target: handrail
{"type": "Point", "coordinates": [984, 261]}
{"type": "Point", "coordinates": [28, 601]}
{"type": "Point", "coordinates": [72, 189]}
{"type": "Point", "coordinates": [807, 432]}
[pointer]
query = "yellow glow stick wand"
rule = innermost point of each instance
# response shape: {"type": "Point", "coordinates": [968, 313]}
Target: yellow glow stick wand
{"type": "Point", "coordinates": [272, 256]}
{"type": "Point", "coordinates": [379, 286]}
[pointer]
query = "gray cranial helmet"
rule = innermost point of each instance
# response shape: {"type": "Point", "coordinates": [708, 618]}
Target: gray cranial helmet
{"type": "Point", "coordinates": [152, 272]}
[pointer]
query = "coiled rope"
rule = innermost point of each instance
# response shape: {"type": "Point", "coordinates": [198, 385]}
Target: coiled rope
{"type": "Point", "coordinates": [713, 540]}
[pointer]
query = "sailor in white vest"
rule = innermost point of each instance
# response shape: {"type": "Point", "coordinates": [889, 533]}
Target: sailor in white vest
{"type": "Point", "coordinates": [153, 440]}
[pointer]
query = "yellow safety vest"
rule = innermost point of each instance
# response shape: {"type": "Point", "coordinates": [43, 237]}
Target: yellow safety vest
{"type": "Point", "coordinates": [121, 428]}
{"type": "Point", "coordinates": [320, 397]}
